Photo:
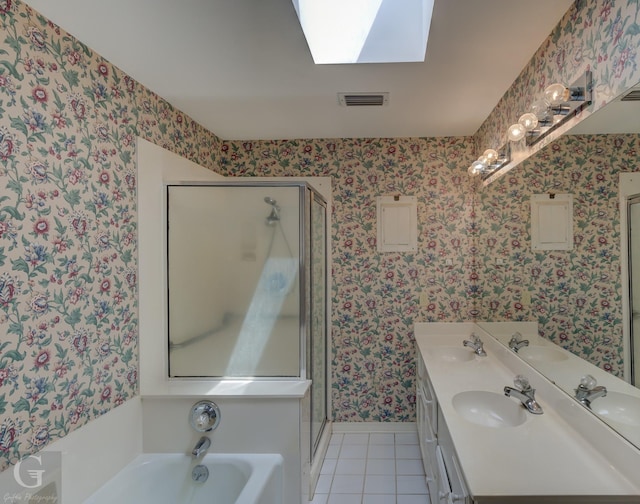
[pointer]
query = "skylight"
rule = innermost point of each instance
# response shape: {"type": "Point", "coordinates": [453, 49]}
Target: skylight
{"type": "Point", "coordinates": [365, 31]}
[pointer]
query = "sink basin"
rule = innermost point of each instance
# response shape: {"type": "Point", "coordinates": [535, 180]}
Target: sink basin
{"type": "Point", "coordinates": [542, 354]}
{"type": "Point", "coordinates": [489, 409]}
{"type": "Point", "coordinates": [618, 407]}
{"type": "Point", "coordinates": [452, 354]}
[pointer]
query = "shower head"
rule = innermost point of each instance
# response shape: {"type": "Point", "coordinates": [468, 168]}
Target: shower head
{"type": "Point", "coordinates": [274, 216]}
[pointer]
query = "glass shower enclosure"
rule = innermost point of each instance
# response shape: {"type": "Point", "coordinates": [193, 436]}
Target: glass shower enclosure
{"type": "Point", "coordinates": [247, 284]}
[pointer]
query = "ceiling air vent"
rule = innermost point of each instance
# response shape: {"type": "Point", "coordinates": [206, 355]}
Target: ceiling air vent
{"type": "Point", "coordinates": [363, 99]}
{"type": "Point", "coordinates": [633, 95]}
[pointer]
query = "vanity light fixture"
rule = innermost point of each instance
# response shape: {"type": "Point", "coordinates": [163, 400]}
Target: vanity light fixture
{"type": "Point", "coordinates": [490, 161]}
{"type": "Point", "coordinates": [558, 104]}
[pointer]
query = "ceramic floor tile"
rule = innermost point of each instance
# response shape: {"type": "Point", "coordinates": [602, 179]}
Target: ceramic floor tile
{"type": "Point", "coordinates": [380, 484]}
{"type": "Point", "coordinates": [324, 484]}
{"type": "Point", "coordinates": [381, 452]}
{"type": "Point", "coordinates": [408, 452]}
{"type": "Point", "coordinates": [382, 438]}
{"type": "Point", "coordinates": [329, 466]}
{"type": "Point", "coordinates": [374, 468]}
{"type": "Point", "coordinates": [344, 499]}
{"type": "Point", "coordinates": [353, 451]}
{"type": "Point", "coordinates": [355, 438]}
{"type": "Point", "coordinates": [409, 467]}
{"type": "Point", "coordinates": [348, 484]}
{"type": "Point", "coordinates": [319, 498]}
{"type": "Point", "coordinates": [411, 485]}
{"type": "Point", "coordinates": [379, 499]}
{"type": "Point", "coordinates": [381, 466]}
{"type": "Point", "coordinates": [332, 451]}
{"type": "Point", "coordinates": [350, 466]}
{"type": "Point", "coordinates": [412, 499]}
{"type": "Point", "coordinates": [406, 438]}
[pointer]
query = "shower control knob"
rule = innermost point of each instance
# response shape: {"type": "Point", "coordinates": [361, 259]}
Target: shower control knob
{"type": "Point", "coordinates": [204, 416]}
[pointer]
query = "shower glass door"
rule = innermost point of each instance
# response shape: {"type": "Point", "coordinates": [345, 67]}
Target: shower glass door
{"type": "Point", "coordinates": [634, 286]}
{"type": "Point", "coordinates": [318, 320]}
{"type": "Point", "coordinates": [234, 287]}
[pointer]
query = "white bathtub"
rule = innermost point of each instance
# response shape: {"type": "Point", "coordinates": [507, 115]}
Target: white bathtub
{"type": "Point", "coordinates": [161, 478]}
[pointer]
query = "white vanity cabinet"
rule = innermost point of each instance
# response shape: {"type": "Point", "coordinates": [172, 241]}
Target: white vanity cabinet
{"type": "Point", "coordinates": [444, 478]}
{"type": "Point", "coordinates": [563, 456]}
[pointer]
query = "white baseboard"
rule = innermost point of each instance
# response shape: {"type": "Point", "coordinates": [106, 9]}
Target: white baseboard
{"type": "Point", "coordinates": [342, 427]}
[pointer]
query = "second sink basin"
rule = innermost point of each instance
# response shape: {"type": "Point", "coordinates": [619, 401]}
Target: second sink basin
{"type": "Point", "coordinates": [489, 409]}
{"type": "Point", "coordinates": [618, 407]}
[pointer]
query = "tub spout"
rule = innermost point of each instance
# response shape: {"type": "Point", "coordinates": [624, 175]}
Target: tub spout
{"type": "Point", "coordinates": [201, 447]}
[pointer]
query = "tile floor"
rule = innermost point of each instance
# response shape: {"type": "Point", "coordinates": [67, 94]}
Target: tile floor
{"type": "Point", "coordinates": [376, 468]}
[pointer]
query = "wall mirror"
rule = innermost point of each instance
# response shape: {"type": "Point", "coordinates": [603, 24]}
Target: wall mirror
{"type": "Point", "coordinates": [576, 297]}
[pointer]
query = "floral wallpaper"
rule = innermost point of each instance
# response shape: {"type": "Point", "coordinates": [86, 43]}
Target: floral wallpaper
{"type": "Point", "coordinates": [576, 295]}
{"type": "Point", "coordinates": [68, 220]}
{"type": "Point", "coordinates": [375, 298]}
{"type": "Point", "coordinates": [598, 35]}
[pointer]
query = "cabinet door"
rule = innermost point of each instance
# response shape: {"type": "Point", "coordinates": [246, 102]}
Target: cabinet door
{"type": "Point", "coordinates": [442, 494]}
{"type": "Point", "coordinates": [459, 492]}
{"type": "Point", "coordinates": [458, 489]}
{"type": "Point", "coordinates": [427, 437]}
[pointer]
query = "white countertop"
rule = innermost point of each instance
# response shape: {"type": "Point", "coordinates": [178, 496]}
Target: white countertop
{"type": "Point", "coordinates": [566, 374]}
{"type": "Point", "coordinates": [544, 456]}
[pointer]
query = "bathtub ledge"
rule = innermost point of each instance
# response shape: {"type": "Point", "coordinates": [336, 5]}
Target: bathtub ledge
{"type": "Point", "coordinates": [230, 388]}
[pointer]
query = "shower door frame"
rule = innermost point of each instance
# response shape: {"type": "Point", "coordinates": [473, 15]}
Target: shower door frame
{"type": "Point", "coordinates": [634, 335]}
{"type": "Point", "coordinates": [315, 440]}
{"type": "Point", "coordinates": [304, 224]}
{"type": "Point", "coordinates": [629, 187]}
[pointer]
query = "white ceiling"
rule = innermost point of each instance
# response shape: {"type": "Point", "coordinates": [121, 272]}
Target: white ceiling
{"type": "Point", "coordinates": [242, 68]}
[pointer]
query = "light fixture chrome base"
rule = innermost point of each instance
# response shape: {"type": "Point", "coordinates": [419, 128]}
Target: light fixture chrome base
{"type": "Point", "coordinates": [486, 166]}
{"type": "Point", "coordinates": [581, 91]}
{"type": "Point", "coordinates": [504, 157]}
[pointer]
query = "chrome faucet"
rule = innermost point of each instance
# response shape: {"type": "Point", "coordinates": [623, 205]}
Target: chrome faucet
{"type": "Point", "coordinates": [588, 390]}
{"type": "Point", "coordinates": [525, 393]}
{"type": "Point", "coordinates": [516, 342]}
{"type": "Point", "coordinates": [476, 344]}
{"type": "Point", "coordinates": [201, 447]}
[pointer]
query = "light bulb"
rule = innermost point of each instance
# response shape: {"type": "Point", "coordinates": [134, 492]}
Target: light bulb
{"type": "Point", "coordinates": [484, 161]}
{"type": "Point", "coordinates": [557, 94]}
{"type": "Point", "coordinates": [491, 155]}
{"type": "Point", "coordinates": [476, 168]}
{"type": "Point", "coordinates": [528, 121]}
{"type": "Point", "coordinates": [516, 132]}
{"type": "Point", "coordinates": [540, 108]}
